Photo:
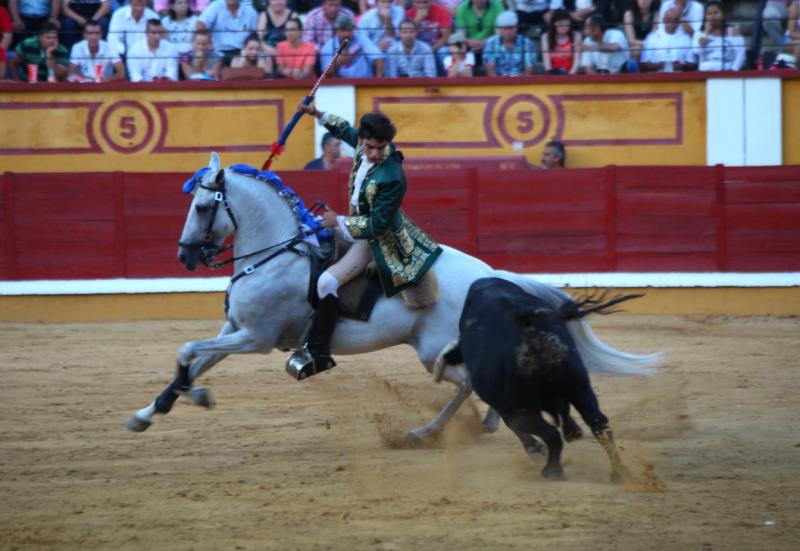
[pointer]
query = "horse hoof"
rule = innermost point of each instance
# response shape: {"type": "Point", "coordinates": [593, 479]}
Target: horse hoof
{"type": "Point", "coordinates": [201, 396]}
{"type": "Point", "coordinates": [489, 427]}
{"type": "Point", "coordinates": [417, 436]}
{"type": "Point", "coordinates": [134, 424]}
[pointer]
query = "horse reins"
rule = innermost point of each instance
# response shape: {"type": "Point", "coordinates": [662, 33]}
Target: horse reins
{"type": "Point", "coordinates": [209, 253]}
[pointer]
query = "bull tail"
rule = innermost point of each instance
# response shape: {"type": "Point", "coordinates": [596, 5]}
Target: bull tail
{"type": "Point", "coordinates": [596, 355]}
{"type": "Point", "coordinates": [586, 305]}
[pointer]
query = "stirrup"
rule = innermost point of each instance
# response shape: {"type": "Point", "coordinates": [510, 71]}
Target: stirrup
{"type": "Point", "coordinates": [301, 364]}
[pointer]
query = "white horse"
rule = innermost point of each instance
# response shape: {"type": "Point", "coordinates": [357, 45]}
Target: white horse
{"type": "Point", "coordinates": [267, 303]}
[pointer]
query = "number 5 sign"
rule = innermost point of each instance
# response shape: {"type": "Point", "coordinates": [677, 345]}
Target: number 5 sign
{"type": "Point", "coordinates": [523, 118]}
{"type": "Point", "coordinates": [126, 127]}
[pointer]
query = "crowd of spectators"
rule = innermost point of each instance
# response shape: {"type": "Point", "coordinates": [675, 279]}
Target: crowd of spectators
{"type": "Point", "coordinates": [147, 40]}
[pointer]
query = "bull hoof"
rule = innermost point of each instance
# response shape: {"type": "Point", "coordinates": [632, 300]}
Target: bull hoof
{"type": "Point", "coordinates": [553, 472]}
{"type": "Point", "coordinates": [134, 424]}
{"type": "Point", "coordinates": [620, 476]}
{"type": "Point", "coordinates": [573, 433]}
{"type": "Point", "coordinates": [535, 449]}
{"type": "Point", "coordinates": [201, 396]}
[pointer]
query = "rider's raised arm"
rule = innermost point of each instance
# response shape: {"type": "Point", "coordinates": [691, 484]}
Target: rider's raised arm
{"type": "Point", "coordinates": [340, 128]}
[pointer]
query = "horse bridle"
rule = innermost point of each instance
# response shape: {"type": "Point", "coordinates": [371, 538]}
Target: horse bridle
{"type": "Point", "coordinates": [209, 251]}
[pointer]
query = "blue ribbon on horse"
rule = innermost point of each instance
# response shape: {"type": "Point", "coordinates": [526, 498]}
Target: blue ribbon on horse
{"type": "Point", "coordinates": [310, 226]}
{"type": "Point", "coordinates": [191, 183]}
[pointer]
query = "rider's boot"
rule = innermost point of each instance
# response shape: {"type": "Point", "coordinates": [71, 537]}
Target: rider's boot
{"type": "Point", "coordinates": [315, 354]}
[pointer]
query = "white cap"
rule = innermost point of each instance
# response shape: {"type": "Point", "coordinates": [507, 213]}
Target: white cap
{"type": "Point", "coordinates": [506, 19]}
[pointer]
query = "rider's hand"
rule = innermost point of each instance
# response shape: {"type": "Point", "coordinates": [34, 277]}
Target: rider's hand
{"type": "Point", "coordinates": [307, 109]}
{"type": "Point", "coordinates": [329, 219]}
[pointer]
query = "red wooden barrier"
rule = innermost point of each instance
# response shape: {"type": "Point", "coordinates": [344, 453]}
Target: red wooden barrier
{"type": "Point", "coordinates": [86, 226]}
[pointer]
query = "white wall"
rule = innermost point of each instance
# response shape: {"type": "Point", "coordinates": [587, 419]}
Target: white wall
{"type": "Point", "coordinates": [339, 100]}
{"type": "Point", "coordinates": [743, 125]}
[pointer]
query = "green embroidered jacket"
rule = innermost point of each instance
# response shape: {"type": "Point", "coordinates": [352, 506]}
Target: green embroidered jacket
{"type": "Point", "coordinates": [403, 252]}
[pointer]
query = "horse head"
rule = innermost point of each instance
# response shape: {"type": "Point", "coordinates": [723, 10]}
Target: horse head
{"type": "Point", "coordinates": [207, 225]}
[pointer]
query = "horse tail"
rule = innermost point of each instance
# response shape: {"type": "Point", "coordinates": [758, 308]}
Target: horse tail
{"type": "Point", "coordinates": [596, 355]}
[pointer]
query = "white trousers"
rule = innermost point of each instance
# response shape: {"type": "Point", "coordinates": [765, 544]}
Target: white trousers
{"type": "Point", "coordinates": [352, 264]}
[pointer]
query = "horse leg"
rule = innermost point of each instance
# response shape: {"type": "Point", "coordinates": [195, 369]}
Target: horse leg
{"type": "Point", "coordinates": [451, 355]}
{"type": "Point", "coordinates": [213, 351]}
{"type": "Point", "coordinates": [491, 422]}
{"type": "Point", "coordinates": [459, 376]}
{"type": "Point", "coordinates": [528, 423]}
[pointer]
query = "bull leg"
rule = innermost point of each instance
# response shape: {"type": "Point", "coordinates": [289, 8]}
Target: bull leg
{"type": "Point", "coordinates": [585, 402]}
{"type": "Point", "coordinates": [571, 429]}
{"type": "Point", "coordinates": [532, 446]}
{"type": "Point", "coordinates": [533, 423]}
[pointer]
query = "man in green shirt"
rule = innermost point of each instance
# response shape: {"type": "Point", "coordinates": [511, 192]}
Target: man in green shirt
{"type": "Point", "coordinates": [44, 51]}
{"type": "Point", "coordinates": [476, 18]}
{"type": "Point", "coordinates": [375, 225]}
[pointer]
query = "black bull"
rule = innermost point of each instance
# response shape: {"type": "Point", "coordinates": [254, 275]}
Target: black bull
{"type": "Point", "coordinates": [522, 360]}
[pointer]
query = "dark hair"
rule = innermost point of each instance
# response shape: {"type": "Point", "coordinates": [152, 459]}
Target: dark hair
{"type": "Point", "coordinates": [642, 27]}
{"type": "Point", "coordinates": [376, 126]}
{"type": "Point", "coordinates": [91, 23]}
{"type": "Point", "coordinates": [153, 23]}
{"type": "Point", "coordinates": [407, 21]}
{"type": "Point", "coordinates": [597, 20]}
{"type": "Point", "coordinates": [202, 32]}
{"type": "Point", "coordinates": [296, 20]}
{"type": "Point", "coordinates": [250, 38]}
{"type": "Point", "coordinates": [48, 27]}
{"type": "Point", "coordinates": [560, 151]}
{"type": "Point", "coordinates": [327, 138]}
{"type": "Point", "coordinates": [557, 15]}
{"type": "Point", "coordinates": [172, 15]}
{"type": "Point", "coordinates": [721, 9]}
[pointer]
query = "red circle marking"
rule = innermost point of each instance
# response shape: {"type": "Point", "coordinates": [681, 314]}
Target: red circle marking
{"type": "Point", "coordinates": [518, 99]}
{"type": "Point", "coordinates": [148, 120]}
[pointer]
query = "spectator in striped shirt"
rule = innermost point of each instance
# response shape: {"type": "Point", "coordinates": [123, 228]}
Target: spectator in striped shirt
{"type": "Point", "coordinates": [409, 57]}
{"type": "Point", "coordinates": [321, 22]}
{"type": "Point", "coordinates": [43, 51]}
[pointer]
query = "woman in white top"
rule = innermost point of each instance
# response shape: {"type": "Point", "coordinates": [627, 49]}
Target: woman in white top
{"type": "Point", "coordinates": [180, 24]}
{"type": "Point", "coordinates": [460, 62]}
{"type": "Point", "coordinates": [718, 47]}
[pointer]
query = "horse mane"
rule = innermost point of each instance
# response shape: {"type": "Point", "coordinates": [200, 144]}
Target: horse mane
{"type": "Point", "coordinates": [304, 217]}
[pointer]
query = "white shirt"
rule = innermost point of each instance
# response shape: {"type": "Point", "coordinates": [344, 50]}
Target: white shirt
{"type": "Point", "coordinates": [710, 57]}
{"type": "Point", "coordinates": [693, 12]}
{"type": "Point", "coordinates": [660, 46]}
{"type": "Point", "coordinates": [180, 34]}
{"type": "Point", "coordinates": [145, 66]}
{"type": "Point", "coordinates": [607, 61]}
{"type": "Point", "coordinates": [81, 57]}
{"type": "Point", "coordinates": [468, 61]}
{"type": "Point", "coordinates": [124, 31]}
{"type": "Point", "coordinates": [229, 32]}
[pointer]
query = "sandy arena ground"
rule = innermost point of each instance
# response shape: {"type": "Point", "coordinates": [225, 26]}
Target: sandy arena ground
{"type": "Point", "coordinates": [714, 441]}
